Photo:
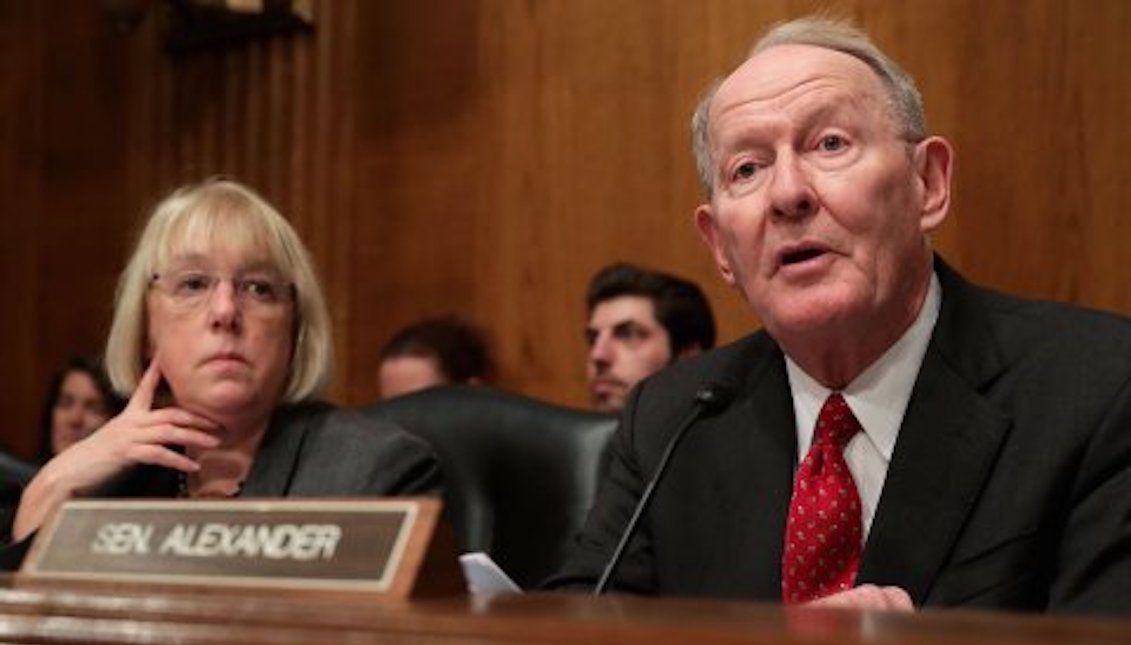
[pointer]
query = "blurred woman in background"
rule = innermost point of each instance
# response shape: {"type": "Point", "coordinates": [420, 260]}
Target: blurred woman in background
{"type": "Point", "coordinates": [79, 400]}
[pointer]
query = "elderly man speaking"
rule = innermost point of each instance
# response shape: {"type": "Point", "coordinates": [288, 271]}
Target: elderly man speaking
{"type": "Point", "coordinates": [897, 436]}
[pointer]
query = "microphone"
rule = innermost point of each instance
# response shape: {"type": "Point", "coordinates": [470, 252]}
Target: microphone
{"type": "Point", "coordinates": [710, 399]}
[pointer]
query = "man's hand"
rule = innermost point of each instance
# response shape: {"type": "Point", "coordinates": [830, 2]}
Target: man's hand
{"type": "Point", "coordinates": [868, 597]}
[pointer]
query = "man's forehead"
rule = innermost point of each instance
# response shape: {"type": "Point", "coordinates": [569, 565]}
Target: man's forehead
{"type": "Point", "coordinates": [777, 73]}
{"type": "Point", "coordinates": [622, 309]}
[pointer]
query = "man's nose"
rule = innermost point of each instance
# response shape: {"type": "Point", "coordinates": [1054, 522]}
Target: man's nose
{"type": "Point", "coordinates": [791, 188]}
{"type": "Point", "coordinates": [600, 352]}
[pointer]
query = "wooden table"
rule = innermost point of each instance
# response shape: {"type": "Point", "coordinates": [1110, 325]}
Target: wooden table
{"type": "Point", "coordinates": [76, 614]}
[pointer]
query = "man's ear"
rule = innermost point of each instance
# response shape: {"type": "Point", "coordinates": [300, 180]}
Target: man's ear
{"type": "Point", "coordinates": [709, 232]}
{"type": "Point", "coordinates": [934, 165]}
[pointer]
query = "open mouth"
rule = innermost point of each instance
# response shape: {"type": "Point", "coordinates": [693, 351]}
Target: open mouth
{"type": "Point", "coordinates": [801, 255]}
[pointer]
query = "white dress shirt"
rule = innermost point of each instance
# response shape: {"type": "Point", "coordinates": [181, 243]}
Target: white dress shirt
{"type": "Point", "coordinates": [878, 398]}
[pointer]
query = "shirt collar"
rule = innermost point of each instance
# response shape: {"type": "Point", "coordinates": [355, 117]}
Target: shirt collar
{"type": "Point", "coordinates": [879, 395]}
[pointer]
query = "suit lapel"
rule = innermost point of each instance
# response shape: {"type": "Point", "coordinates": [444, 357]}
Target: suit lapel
{"type": "Point", "coordinates": [277, 458]}
{"type": "Point", "coordinates": [775, 440]}
{"type": "Point", "coordinates": [757, 446]}
{"type": "Point", "coordinates": [948, 442]}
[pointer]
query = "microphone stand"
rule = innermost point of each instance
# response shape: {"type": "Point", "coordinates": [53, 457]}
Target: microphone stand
{"type": "Point", "coordinates": [711, 398]}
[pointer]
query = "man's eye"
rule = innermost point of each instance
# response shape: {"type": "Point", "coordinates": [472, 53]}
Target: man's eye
{"type": "Point", "coordinates": [832, 143]}
{"type": "Point", "coordinates": [745, 171]}
{"type": "Point", "coordinates": [631, 333]}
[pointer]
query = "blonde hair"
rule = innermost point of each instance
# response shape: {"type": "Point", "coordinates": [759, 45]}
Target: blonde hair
{"type": "Point", "coordinates": [199, 215]}
{"type": "Point", "coordinates": [903, 96]}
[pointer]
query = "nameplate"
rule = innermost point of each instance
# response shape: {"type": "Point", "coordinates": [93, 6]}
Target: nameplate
{"type": "Point", "coordinates": [347, 545]}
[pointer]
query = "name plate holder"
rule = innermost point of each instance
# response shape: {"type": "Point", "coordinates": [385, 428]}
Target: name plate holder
{"type": "Point", "coordinates": [394, 548]}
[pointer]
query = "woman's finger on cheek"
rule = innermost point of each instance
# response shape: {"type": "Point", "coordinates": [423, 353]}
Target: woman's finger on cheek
{"type": "Point", "coordinates": [142, 398]}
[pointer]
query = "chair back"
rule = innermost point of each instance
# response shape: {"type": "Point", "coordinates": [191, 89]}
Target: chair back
{"type": "Point", "coordinates": [520, 474]}
{"type": "Point", "coordinates": [15, 470]}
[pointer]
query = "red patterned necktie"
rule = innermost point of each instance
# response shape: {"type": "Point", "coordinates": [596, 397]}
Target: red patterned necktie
{"type": "Point", "coordinates": [823, 532]}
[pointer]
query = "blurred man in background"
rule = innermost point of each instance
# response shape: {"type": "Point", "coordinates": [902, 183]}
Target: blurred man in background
{"type": "Point", "coordinates": [434, 351]}
{"type": "Point", "coordinates": [640, 321]}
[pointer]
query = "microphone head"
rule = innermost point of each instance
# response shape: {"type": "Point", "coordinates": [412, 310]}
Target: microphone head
{"type": "Point", "coordinates": [714, 397]}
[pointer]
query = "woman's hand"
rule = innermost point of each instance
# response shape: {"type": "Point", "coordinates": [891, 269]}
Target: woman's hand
{"type": "Point", "coordinates": [139, 435]}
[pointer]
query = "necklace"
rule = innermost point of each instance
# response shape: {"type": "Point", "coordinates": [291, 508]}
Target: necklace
{"type": "Point", "coordinates": [183, 489]}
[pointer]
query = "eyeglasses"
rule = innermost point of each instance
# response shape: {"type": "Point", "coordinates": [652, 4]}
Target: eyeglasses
{"type": "Point", "coordinates": [189, 290]}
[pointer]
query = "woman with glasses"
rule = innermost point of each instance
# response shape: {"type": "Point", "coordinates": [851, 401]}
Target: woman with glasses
{"type": "Point", "coordinates": [221, 333]}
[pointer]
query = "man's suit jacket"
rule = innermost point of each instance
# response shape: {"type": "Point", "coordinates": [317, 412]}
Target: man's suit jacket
{"type": "Point", "coordinates": [1009, 486]}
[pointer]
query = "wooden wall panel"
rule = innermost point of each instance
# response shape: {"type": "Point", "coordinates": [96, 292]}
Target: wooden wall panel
{"type": "Point", "coordinates": [485, 157]}
{"type": "Point", "coordinates": [63, 192]}
{"type": "Point", "coordinates": [21, 155]}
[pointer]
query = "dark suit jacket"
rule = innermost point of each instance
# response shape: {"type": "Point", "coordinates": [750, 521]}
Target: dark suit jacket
{"type": "Point", "coordinates": [1009, 487]}
{"type": "Point", "coordinates": [315, 449]}
{"type": "Point", "coordinates": [310, 450]}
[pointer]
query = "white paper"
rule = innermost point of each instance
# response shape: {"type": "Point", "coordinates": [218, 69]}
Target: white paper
{"type": "Point", "coordinates": [484, 575]}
